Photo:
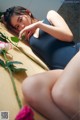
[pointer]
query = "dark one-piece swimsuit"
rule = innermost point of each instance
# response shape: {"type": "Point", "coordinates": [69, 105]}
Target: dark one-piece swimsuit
{"type": "Point", "coordinates": [54, 53]}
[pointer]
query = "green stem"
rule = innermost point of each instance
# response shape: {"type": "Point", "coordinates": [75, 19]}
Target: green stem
{"type": "Point", "coordinates": [13, 82]}
{"type": "Point", "coordinates": [4, 53]}
{"type": "Point", "coordinates": [15, 90]}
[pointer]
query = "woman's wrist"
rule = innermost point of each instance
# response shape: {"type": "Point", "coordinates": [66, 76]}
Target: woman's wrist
{"type": "Point", "coordinates": [39, 23]}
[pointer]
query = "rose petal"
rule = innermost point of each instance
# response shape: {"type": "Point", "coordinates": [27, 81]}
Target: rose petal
{"type": "Point", "coordinates": [25, 113]}
{"type": "Point", "coordinates": [5, 46]}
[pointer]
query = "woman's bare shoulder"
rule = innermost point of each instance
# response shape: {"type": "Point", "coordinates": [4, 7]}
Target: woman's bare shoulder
{"type": "Point", "coordinates": [51, 14]}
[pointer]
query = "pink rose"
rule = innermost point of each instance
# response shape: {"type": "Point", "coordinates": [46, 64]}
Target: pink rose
{"type": "Point", "coordinates": [5, 46]}
{"type": "Point", "coordinates": [25, 113]}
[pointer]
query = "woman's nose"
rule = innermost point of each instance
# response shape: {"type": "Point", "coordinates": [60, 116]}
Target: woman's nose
{"type": "Point", "coordinates": [22, 26]}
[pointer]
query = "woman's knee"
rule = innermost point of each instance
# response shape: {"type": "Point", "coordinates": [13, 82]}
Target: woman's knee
{"type": "Point", "coordinates": [28, 87]}
{"type": "Point", "coordinates": [65, 99]}
{"type": "Point", "coordinates": [59, 95]}
{"type": "Point", "coordinates": [31, 88]}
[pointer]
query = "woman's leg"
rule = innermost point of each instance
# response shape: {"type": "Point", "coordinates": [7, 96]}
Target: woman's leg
{"type": "Point", "coordinates": [37, 92]}
{"type": "Point", "coordinates": [66, 91]}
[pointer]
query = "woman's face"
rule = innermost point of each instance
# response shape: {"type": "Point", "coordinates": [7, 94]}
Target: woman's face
{"type": "Point", "coordinates": [20, 21]}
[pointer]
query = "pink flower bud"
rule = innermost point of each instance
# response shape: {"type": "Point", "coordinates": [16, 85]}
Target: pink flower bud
{"type": "Point", "coordinates": [25, 113]}
{"type": "Point", "coordinates": [5, 46]}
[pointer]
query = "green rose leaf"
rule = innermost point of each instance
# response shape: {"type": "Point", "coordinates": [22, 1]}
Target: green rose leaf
{"type": "Point", "coordinates": [15, 39]}
{"type": "Point", "coordinates": [15, 70]}
{"type": "Point", "coordinates": [2, 63]}
{"type": "Point", "coordinates": [3, 39]}
{"type": "Point", "coordinates": [13, 62]}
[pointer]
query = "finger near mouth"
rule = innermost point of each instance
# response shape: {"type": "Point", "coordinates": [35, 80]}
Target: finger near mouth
{"type": "Point", "coordinates": [29, 34]}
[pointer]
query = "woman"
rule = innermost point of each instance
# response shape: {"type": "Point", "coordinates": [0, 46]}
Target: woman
{"type": "Point", "coordinates": [51, 40]}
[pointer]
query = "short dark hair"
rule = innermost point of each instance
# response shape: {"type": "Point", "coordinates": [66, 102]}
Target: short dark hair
{"type": "Point", "coordinates": [15, 10]}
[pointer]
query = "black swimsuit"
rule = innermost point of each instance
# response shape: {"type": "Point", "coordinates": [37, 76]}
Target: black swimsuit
{"type": "Point", "coordinates": [53, 52]}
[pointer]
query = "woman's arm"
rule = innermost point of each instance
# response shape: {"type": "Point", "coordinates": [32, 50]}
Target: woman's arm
{"type": "Point", "coordinates": [59, 28]}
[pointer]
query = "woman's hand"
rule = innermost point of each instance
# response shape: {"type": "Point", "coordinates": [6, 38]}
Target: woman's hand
{"type": "Point", "coordinates": [29, 30]}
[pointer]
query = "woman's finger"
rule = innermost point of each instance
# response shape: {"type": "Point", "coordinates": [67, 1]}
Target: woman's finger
{"type": "Point", "coordinates": [20, 34]}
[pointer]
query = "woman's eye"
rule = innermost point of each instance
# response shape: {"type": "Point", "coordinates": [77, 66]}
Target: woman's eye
{"type": "Point", "coordinates": [20, 19]}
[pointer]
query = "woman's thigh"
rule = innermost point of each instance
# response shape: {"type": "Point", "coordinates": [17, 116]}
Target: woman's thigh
{"type": "Point", "coordinates": [38, 82]}
{"type": "Point", "coordinates": [37, 92]}
{"type": "Point", "coordinates": [71, 74]}
{"type": "Point", "coordinates": [67, 87]}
